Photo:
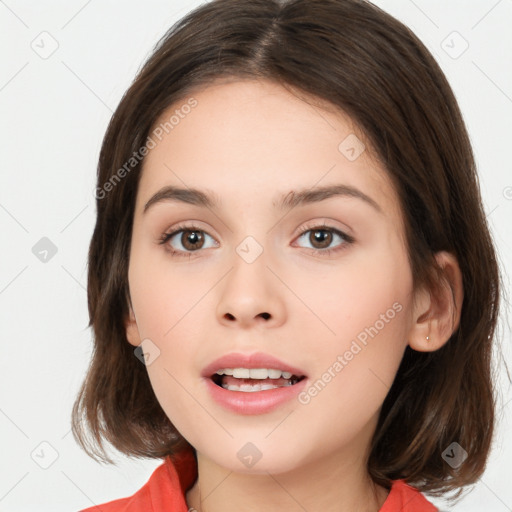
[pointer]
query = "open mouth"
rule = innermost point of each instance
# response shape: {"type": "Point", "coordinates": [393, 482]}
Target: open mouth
{"type": "Point", "coordinates": [254, 379]}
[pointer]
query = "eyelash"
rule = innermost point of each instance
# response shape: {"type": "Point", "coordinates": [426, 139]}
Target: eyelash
{"type": "Point", "coordinates": [324, 252]}
{"type": "Point", "coordinates": [167, 236]}
{"type": "Point", "coordinates": [347, 239]}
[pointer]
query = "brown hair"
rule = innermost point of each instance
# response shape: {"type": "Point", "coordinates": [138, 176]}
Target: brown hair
{"type": "Point", "coordinates": [354, 56]}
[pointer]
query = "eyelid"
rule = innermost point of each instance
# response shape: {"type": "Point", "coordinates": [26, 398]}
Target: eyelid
{"type": "Point", "coordinates": [183, 226]}
{"type": "Point", "coordinates": [188, 225]}
{"type": "Point", "coordinates": [327, 224]}
{"type": "Point", "coordinates": [347, 240]}
{"type": "Point", "coordinates": [310, 226]}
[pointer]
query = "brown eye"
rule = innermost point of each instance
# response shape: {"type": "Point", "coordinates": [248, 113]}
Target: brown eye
{"type": "Point", "coordinates": [320, 238]}
{"type": "Point", "coordinates": [192, 240]}
{"type": "Point", "coordinates": [185, 240]}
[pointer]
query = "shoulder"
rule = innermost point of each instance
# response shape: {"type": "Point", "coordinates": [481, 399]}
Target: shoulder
{"type": "Point", "coordinates": [139, 501]}
{"type": "Point", "coordinates": [134, 503]}
{"type": "Point", "coordinates": [404, 498]}
{"type": "Point", "coordinates": [164, 491]}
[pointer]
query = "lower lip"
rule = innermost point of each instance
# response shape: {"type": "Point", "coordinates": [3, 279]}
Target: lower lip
{"type": "Point", "coordinates": [254, 402]}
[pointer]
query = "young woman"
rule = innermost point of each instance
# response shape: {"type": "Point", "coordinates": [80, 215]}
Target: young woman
{"type": "Point", "coordinates": [292, 285]}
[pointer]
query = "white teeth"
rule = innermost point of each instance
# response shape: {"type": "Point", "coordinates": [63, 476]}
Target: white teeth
{"type": "Point", "coordinates": [254, 373]}
{"type": "Point", "coordinates": [259, 373]}
{"type": "Point", "coordinates": [248, 388]}
{"type": "Point", "coordinates": [241, 373]}
{"type": "Point", "coordinates": [226, 371]}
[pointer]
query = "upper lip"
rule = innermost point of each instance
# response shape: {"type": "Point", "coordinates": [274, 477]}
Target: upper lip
{"type": "Point", "coordinates": [254, 360]}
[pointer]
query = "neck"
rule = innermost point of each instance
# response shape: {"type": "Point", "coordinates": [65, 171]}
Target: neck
{"type": "Point", "coordinates": [337, 482]}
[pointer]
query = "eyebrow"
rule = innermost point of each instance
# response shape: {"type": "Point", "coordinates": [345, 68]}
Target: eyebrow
{"type": "Point", "coordinates": [208, 199]}
{"type": "Point", "coordinates": [314, 195]}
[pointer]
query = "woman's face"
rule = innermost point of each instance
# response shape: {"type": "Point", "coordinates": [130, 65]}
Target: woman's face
{"type": "Point", "coordinates": [300, 256]}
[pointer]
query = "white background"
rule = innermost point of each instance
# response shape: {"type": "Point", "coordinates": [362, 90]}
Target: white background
{"type": "Point", "coordinates": [54, 114]}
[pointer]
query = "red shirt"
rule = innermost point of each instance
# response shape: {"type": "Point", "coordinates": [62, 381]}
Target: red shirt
{"type": "Point", "coordinates": [166, 488]}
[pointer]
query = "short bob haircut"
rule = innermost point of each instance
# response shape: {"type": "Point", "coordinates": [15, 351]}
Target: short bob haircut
{"type": "Point", "coordinates": [353, 56]}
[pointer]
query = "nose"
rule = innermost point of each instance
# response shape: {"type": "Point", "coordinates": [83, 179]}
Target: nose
{"type": "Point", "coordinates": [251, 295]}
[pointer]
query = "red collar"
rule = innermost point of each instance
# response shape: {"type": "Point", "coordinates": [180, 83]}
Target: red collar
{"type": "Point", "coordinates": [402, 497]}
{"type": "Point", "coordinates": [166, 489]}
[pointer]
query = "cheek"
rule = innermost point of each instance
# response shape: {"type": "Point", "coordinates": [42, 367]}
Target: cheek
{"type": "Point", "coordinates": [168, 301]}
{"type": "Point", "coordinates": [367, 305]}
{"type": "Point", "coordinates": [163, 294]}
{"type": "Point", "coordinates": [355, 294]}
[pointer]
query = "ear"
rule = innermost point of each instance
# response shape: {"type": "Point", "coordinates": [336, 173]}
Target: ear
{"type": "Point", "coordinates": [132, 330]}
{"type": "Point", "coordinates": [437, 312]}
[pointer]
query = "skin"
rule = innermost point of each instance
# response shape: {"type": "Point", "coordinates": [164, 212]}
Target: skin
{"type": "Point", "coordinates": [250, 142]}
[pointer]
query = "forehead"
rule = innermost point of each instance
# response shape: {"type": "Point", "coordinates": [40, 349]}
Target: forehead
{"type": "Point", "coordinates": [249, 140]}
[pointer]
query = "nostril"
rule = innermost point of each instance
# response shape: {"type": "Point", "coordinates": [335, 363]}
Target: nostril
{"type": "Point", "coordinates": [229, 316]}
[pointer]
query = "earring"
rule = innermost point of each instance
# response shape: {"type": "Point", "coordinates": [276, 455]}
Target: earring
{"type": "Point", "coordinates": [428, 338]}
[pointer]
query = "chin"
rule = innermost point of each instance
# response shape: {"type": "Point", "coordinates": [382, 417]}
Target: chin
{"type": "Point", "coordinates": [257, 457]}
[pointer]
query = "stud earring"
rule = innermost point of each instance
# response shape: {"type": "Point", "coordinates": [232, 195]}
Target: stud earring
{"type": "Point", "coordinates": [428, 338]}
